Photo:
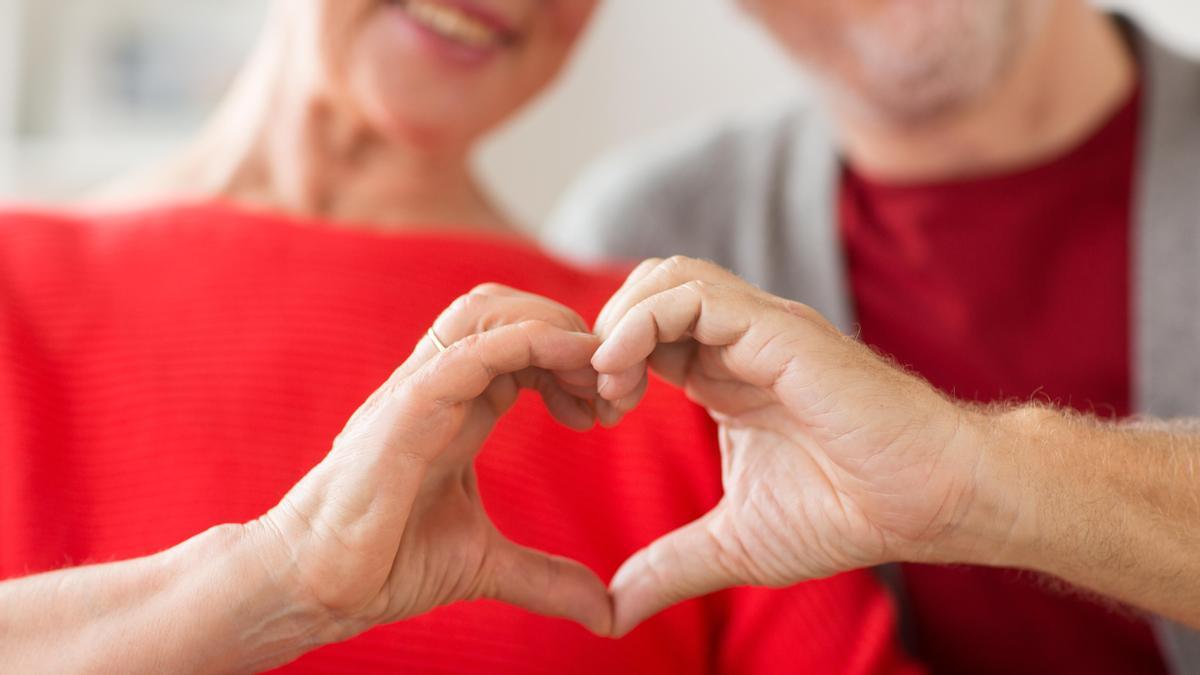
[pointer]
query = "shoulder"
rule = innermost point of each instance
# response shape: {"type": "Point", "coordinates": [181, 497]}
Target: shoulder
{"type": "Point", "coordinates": [39, 245]}
{"type": "Point", "coordinates": [76, 263]}
{"type": "Point", "coordinates": [680, 191]}
{"type": "Point", "coordinates": [31, 231]}
{"type": "Point", "coordinates": [110, 231]}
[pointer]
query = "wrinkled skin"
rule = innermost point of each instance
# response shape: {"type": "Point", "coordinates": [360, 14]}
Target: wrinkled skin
{"type": "Point", "coordinates": [391, 525]}
{"type": "Point", "coordinates": [826, 466]}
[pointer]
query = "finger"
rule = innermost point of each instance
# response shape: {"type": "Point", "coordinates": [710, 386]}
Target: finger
{"type": "Point", "coordinates": [762, 337]}
{"type": "Point", "coordinates": [666, 317]}
{"type": "Point", "coordinates": [486, 307]}
{"type": "Point", "coordinates": [616, 386]}
{"type": "Point", "coordinates": [616, 301]}
{"type": "Point", "coordinates": [572, 411]}
{"type": "Point", "coordinates": [490, 306]}
{"type": "Point", "coordinates": [670, 362]}
{"type": "Point", "coordinates": [665, 275]}
{"type": "Point", "coordinates": [464, 371]}
{"type": "Point", "coordinates": [650, 279]}
{"type": "Point", "coordinates": [580, 383]}
{"type": "Point", "coordinates": [684, 564]}
{"type": "Point", "coordinates": [725, 397]}
{"type": "Point", "coordinates": [612, 412]}
{"type": "Point", "coordinates": [606, 413]}
{"type": "Point", "coordinates": [569, 315]}
{"type": "Point", "coordinates": [548, 585]}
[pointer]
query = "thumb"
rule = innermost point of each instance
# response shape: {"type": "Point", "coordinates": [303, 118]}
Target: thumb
{"type": "Point", "coordinates": [684, 564]}
{"type": "Point", "coordinates": [549, 585]}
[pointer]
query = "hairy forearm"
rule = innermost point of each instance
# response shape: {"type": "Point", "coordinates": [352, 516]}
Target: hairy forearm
{"type": "Point", "coordinates": [207, 605]}
{"type": "Point", "coordinates": [1114, 508]}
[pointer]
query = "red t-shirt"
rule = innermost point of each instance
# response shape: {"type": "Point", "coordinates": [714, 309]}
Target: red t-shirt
{"type": "Point", "coordinates": [1009, 288]}
{"type": "Point", "coordinates": [164, 372]}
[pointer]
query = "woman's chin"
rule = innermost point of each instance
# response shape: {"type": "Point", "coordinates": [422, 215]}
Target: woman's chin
{"type": "Point", "coordinates": [436, 124]}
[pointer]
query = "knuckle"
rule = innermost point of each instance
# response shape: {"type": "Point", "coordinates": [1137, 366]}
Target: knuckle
{"type": "Point", "coordinates": [803, 311]}
{"type": "Point", "coordinates": [469, 343]}
{"type": "Point", "coordinates": [490, 288]}
{"type": "Point", "coordinates": [648, 265]}
{"type": "Point", "coordinates": [408, 393]}
{"type": "Point", "coordinates": [463, 304]}
{"type": "Point", "coordinates": [470, 313]}
{"type": "Point", "coordinates": [392, 391]}
{"type": "Point", "coordinates": [692, 269]}
{"type": "Point", "coordinates": [535, 326]}
{"type": "Point", "coordinates": [676, 263]}
{"type": "Point", "coordinates": [571, 319]}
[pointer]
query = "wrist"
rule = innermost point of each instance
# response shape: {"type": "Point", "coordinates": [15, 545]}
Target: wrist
{"type": "Point", "coordinates": [250, 615]}
{"type": "Point", "coordinates": [998, 527]}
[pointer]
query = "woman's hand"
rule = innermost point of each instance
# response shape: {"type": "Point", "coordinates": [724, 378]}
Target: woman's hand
{"type": "Point", "coordinates": [387, 526]}
{"type": "Point", "coordinates": [833, 459]}
{"type": "Point", "coordinates": [390, 524]}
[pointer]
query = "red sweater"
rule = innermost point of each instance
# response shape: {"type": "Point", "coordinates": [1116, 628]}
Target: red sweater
{"type": "Point", "coordinates": [163, 372]}
{"type": "Point", "coordinates": [1010, 287]}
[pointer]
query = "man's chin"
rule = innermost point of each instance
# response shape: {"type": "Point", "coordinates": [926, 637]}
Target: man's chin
{"type": "Point", "coordinates": [902, 105]}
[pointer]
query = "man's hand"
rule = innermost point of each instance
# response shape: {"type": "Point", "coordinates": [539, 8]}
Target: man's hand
{"type": "Point", "coordinates": [833, 459]}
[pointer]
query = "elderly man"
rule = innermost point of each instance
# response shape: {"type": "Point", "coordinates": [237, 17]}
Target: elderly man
{"type": "Point", "coordinates": [1002, 195]}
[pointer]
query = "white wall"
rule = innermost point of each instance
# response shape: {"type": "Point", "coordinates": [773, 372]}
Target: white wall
{"type": "Point", "coordinates": [650, 62]}
{"type": "Point", "coordinates": [1178, 21]}
{"type": "Point", "coordinates": [10, 69]}
{"type": "Point", "coordinates": [89, 89]}
{"type": "Point", "coordinates": [645, 64]}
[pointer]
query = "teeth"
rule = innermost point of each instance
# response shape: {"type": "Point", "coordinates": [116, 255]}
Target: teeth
{"type": "Point", "coordinates": [451, 23]}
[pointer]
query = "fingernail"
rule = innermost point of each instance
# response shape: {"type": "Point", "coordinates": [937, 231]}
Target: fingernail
{"type": "Point", "coordinates": [601, 354]}
{"type": "Point", "coordinates": [603, 382]}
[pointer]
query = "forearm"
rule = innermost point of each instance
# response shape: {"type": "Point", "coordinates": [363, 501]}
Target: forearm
{"type": "Point", "coordinates": [209, 604]}
{"type": "Point", "coordinates": [1114, 508]}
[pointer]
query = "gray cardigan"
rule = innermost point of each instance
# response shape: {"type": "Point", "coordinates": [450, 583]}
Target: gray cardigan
{"type": "Point", "coordinates": [758, 195]}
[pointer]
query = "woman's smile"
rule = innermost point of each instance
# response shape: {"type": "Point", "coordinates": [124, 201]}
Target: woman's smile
{"type": "Point", "coordinates": [456, 29]}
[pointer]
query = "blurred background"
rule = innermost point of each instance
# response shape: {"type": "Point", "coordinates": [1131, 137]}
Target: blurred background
{"type": "Point", "coordinates": [90, 88]}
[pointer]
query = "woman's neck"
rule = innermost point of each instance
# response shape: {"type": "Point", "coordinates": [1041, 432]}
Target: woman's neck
{"type": "Point", "coordinates": [318, 166]}
{"type": "Point", "coordinates": [279, 142]}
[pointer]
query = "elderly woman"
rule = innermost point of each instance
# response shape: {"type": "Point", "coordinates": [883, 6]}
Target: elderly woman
{"type": "Point", "coordinates": [171, 369]}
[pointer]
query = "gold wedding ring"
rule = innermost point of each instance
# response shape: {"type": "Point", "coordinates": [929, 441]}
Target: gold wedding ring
{"type": "Point", "coordinates": [441, 347]}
